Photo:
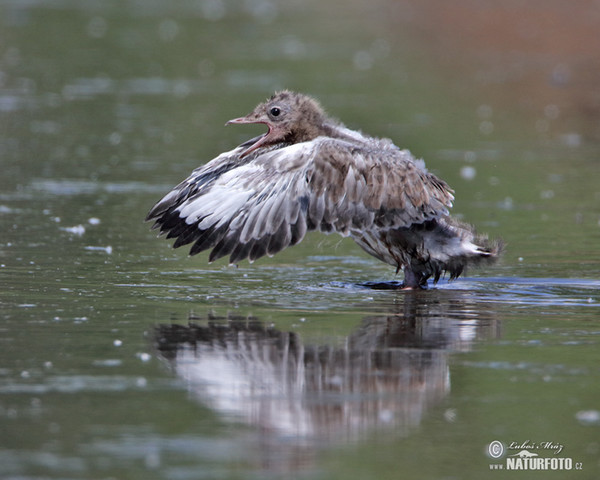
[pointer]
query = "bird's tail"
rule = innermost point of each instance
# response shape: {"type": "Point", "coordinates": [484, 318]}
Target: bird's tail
{"type": "Point", "coordinates": [452, 246]}
{"type": "Point", "coordinates": [442, 246]}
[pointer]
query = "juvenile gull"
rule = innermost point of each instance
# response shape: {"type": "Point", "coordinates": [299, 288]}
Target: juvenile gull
{"type": "Point", "coordinates": [310, 172]}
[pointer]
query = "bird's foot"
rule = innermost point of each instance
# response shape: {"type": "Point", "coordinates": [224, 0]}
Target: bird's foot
{"type": "Point", "coordinates": [413, 281]}
{"type": "Point", "coordinates": [408, 287]}
{"type": "Point", "coordinates": [393, 286]}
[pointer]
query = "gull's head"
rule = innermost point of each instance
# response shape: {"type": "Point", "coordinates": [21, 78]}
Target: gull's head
{"type": "Point", "coordinates": [290, 117]}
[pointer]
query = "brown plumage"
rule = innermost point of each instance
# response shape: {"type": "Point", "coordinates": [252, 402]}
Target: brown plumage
{"type": "Point", "coordinates": [309, 172]}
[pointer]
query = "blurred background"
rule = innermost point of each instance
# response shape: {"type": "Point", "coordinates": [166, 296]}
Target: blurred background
{"type": "Point", "coordinates": [104, 106]}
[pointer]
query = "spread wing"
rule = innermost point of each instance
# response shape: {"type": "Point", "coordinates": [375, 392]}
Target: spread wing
{"type": "Point", "coordinates": [260, 204]}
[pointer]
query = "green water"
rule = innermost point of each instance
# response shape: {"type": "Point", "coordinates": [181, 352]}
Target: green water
{"type": "Point", "coordinates": [123, 358]}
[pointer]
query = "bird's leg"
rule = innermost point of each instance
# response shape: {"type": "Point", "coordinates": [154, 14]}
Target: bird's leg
{"type": "Point", "coordinates": [412, 281]}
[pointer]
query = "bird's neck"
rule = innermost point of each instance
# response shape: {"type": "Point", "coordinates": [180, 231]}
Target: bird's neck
{"type": "Point", "coordinates": [324, 129]}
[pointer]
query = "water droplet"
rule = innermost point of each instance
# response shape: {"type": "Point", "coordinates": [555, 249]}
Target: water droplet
{"type": "Point", "coordinates": [144, 357]}
{"type": "Point", "coordinates": [450, 415]}
{"type": "Point", "coordinates": [551, 111]}
{"type": "Point", "coordinates": [484, 111]}
{"type": "Point", "coordinates": [362, 60]}
{"type": "Point", "coordinates": [114, 138]}
{"type": "Point", "coordinates": [97, 27]}
{"type": "Point", "coordinates": [486, 127]}
{"type": "Point", "coordinates": [213, 10]}
{"type": "Point", "coordinates": [588, 417]}
{"type": "Point", "coordinates": [168, 29]}
{"type": "Point", "coordinates": [561, 74]}
{"type": "Point", "coordinates": [78, 230]}
{"type": "Point", "coordinates": [468, 172]}
{"type": "Point", "coordinates": [570, 140]}
{"type": "Point", "coordinates": [470, 156]}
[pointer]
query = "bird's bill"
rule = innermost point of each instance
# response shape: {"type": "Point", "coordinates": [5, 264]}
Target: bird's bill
{"type": "Point", "coordinates": [242, 120]}
{"type": "Point", "coordinates": [261, 141]}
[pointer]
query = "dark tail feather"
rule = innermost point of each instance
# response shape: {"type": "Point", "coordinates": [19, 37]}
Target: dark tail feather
{"type": "Point", "coordinates": [444, 246]}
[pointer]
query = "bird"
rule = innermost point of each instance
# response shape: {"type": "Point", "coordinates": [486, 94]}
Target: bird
{"type": "Point", "coordinates": [311, 172]}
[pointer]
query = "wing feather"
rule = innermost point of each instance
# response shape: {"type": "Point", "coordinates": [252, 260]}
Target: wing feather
{"type": "Point", "coordinates": [262, 203]}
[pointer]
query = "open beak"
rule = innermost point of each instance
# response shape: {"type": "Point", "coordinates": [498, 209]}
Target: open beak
{"type": "Point", "coordinates": [261, 141]}
{"type": "Point", "coordinates": [241, 120]}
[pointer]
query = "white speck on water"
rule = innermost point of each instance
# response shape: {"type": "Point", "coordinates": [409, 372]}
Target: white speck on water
{"type": "Point", "coordinates": [494, 181]}
{"type": "Point", "coordinates": [168, 29]}
{"type": "Point", "coordinates": [108, 249]}
{"type": "Point", "coordinates": [561, 74]}
{"type": "Point", "coordinates": [213, 10]}
{"type": "Point", "coordinates": [363, 60]}
{"type": "Point", "coordinates": [115, 138]}
{"type": "Point", "coordinates": [264, 11]}
{"type": "Point", "coordinates": [152, 460]}
{"type": "Point", "coordinates": [94, 221]}
{"type": "Point", "coordinates": [520, 259]}
{"type": "Point", "coordinates": [144, 357]}
{"type": "Point", "coordinates": [386, 416]}
{"type": "Point", "coordinates": [551, 111]}
{"type": "Point", "coordinates": [141, 382]}
{"type": "Point", "coordinates": [588, 417]}
{"type": "Point", "coordinates": [468, 172]}
{"type": "Point", "coordinates": [486, 127]}
{"type": "Point", "coordinates": [470, 156]}
{"type": "Point", "coordinates": [118, 343]}
{"type": "Point", "coordinates": [555, 178]}
{"type": "Point", "coordinates": [181, 89]}
{"type": "Point", "coordinates": [485, 111]}
{"type": "Point", "coordinates": [292, 47]}
{"type": "Point", "coordinates": [54, 428]}
{"type": "Point", "coordinates": [97, 27]}
{"type": "Point", "coordinates": [450, 415]}
{"type": "Point", "coordinates": [542, 125]}
{"type": "Point", "coordinates": [506, 204]}
{"type": "Point", "coordinates": [546, 194]}
{"type": "Point", "coordinates": [109, 362]}
{"type": "Point", "coordinates": [572, 140]}
{"type": "Point", "coordinates": [78, 230]}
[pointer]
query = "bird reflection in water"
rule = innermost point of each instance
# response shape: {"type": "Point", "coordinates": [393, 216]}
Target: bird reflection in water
{"type": "Point", "coordinates": [384, 376]}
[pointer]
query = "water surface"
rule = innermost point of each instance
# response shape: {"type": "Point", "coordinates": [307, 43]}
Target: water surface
{"type": "Point", "coordinates": [123, 358]}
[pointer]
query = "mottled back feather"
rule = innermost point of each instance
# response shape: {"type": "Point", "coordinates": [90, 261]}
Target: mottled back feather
{"type": "Point", "coordinates": [272, 198]}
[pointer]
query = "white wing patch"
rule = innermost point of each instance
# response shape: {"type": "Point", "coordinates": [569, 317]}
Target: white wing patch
{"type": "Point", "coordinates": [259, 205]}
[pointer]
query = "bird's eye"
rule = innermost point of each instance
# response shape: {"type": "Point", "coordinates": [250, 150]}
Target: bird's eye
{"type": "Point", "coordinates": [275, 111]}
